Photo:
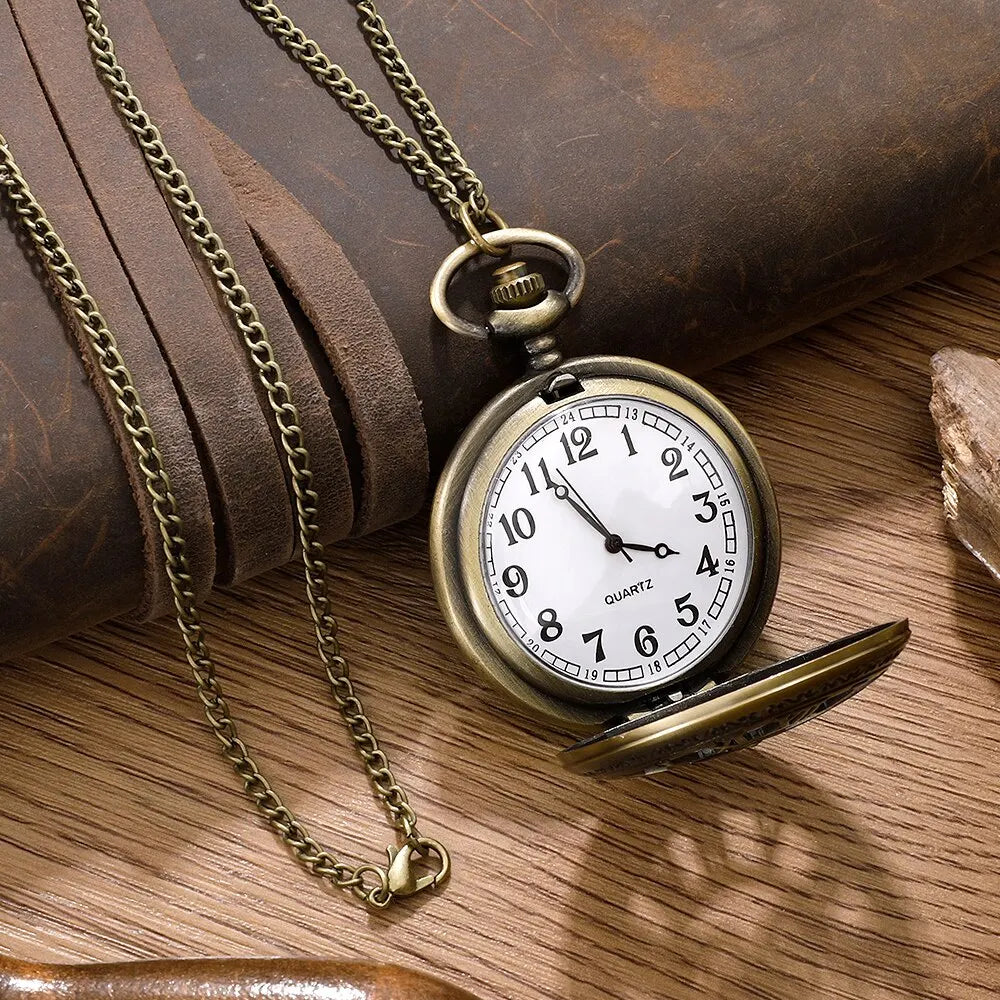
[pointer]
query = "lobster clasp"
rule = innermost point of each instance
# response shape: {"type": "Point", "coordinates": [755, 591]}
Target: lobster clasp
{"type": "Point", "coordinates": [402, 871]}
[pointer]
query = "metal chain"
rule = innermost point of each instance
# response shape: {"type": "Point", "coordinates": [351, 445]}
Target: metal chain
{"type": "Point", "coordinates": [375, 884]}
{"type": "Point", "coordinates": [210, 245]}
{"type": "Point", "coordinates": [440, 167]}
{"type": "Point", "coordinates": [418, 106]}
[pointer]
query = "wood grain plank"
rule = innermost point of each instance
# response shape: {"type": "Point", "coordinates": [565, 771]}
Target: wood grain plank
{"type": "Point", "coordinates": [854, 858]}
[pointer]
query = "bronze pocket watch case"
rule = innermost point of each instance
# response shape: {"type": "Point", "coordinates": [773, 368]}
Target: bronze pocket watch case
{"type": "Point", "coordinates": [605, 545]}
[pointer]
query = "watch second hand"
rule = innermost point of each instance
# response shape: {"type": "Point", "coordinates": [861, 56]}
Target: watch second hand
{"type": "Point", "coordinates": [614, 543]}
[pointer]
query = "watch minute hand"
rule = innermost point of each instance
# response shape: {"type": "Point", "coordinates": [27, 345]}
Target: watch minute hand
{"type": "Point", "coordinates": [612, 542]}
{"type": "Point", "coordinates": [562, 493]}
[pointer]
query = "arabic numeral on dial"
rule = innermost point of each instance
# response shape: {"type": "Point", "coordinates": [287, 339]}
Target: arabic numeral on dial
{"type": "Point", "coordinates": [671, 458]}
{"type": "Point", "coordinates": [628, 441]}
{"type": "Point", "coordinates": [599, 636]}
{"type": "Point", "coordinates": [708, 564]}
{"type": "Point", "coordinates": [645, 640]}
{"type": "Point", "coordinates": [581, 438]}
{"type": "Point", "coordinates": [687, 613]}
{"type": "Point", "coordinates": [551, 628]}
{"type": "Point", "coordinates": [544, 470]}
{"type": "Point", "coordinates": [708, 510]}
{"type": "Point", "coordinates": [516, 581]}
{"type": "Point", "coordinates": [520, 525]}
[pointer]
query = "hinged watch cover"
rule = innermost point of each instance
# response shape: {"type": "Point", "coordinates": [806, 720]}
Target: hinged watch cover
{"type": "Point", "coordinates": [743, 710]}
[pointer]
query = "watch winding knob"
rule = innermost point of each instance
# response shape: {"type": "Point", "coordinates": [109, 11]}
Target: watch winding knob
{"type": "Point", "coordinates": [526, 309]}
{"type": "Point", "coordinates": [515, 287]}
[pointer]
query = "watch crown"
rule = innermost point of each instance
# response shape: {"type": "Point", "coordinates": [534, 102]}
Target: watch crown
{"type": "Point", "coordinates": [515, 287]}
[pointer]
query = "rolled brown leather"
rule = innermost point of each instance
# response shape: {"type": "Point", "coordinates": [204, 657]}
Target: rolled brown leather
{"type": "Point", "coordinates": [155, 80]}
{"type": "Point", "coordinates": [351, 331]}
{"type": "Point", "coordinates": [69, 523]}
{"type": "Point", "coordinates": [198, 343]}
{"type": "Point", "coordinates": [731, 173]}
{"type": "Point", "coordinates": [221, 979]}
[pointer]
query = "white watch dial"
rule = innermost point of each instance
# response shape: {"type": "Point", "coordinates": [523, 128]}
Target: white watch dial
{"type": "Point", "coordinates": [616, 543]}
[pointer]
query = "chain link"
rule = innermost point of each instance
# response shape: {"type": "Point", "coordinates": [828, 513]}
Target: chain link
{"type": "Point", "coordinates": [440, 167]}
{"type": "Point", "coordinates": [373, 883]}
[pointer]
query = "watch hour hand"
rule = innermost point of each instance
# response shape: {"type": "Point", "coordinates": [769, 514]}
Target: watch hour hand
{"type": "Point", "coordinates": [660, 550]}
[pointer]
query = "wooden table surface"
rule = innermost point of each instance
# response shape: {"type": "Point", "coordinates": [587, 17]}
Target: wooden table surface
{"type": "Point", "coordinates": [857, 857]}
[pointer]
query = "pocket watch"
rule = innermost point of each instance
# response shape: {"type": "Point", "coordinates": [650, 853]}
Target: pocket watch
{"type": "Point", "coordinates": [605, 545]}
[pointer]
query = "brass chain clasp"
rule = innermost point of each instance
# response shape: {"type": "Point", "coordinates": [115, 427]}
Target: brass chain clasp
{"type": "Point", "coordinates": [403, 879]}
